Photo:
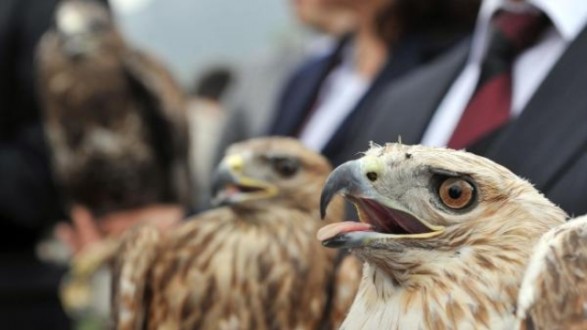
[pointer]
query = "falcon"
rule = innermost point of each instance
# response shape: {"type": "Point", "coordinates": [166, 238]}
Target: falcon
{"type": "Point", "coordinates": [445, 235]}
{"type": "Point", "coordinates": [252, 263]}
{"type": "Point", "coordinates": [114, 117]}
{"type": "Point", "coordinates": [554, 290]}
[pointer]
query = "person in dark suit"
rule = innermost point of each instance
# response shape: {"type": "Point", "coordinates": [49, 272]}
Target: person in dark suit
{"type": "Point", "coordinates": [250, 101]}
{"type": "Point", "coordinates": [28, 198]}
{"type": "Point", "coordinates": [543, 134]}
{"type": "Point", "coordinates": [329, 99]}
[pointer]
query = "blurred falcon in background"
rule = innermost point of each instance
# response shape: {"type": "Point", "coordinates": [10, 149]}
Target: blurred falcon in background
{"type": "Point", "coordinates": [252, 263]}
{"type": "Point", "coordinates": [446, 237]}
{"type": "Point", "coordinates": [114, 116]}
{"type": "Point", "coordinates": [553, 295]}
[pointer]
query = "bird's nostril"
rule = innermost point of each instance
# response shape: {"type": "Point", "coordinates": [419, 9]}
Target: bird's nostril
{"type": "Point", "coordinates": [372, 176]}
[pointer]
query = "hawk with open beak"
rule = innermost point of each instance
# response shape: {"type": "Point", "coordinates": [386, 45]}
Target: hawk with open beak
{"type": "Point", "coordinates": [445, 235]}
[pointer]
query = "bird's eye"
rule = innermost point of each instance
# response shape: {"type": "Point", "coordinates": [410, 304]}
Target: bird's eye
{"type": "Point", "coordinates": [286, 167]}
{"type": "Point", "coordinates": [456, 193]}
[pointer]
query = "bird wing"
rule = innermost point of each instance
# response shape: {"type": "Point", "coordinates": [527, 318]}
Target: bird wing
{"type": "Point", "coordinates": [139, 248]}
{"type": "Point", "coordinates": [554, 291]}
{"type": "Point", "coordinates": [221, 272]}
{"type": "Point", "coordinates": [163, 106]}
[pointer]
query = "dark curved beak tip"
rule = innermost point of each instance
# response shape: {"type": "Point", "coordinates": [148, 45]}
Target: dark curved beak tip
{"type": "Point", "coordinates": [342, 179]}
{"type": "Point", "coordinates": [331, 188]}
{"type": "Point", "coordinates": [221, 178]}
{"type": "Point", "coordinates": [323, 204]}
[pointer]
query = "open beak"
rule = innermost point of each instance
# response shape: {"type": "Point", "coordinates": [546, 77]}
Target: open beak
{"type": "Point", "coordinates": [230, 185]}
{"type": "Point", "coordinates": [379, 216]}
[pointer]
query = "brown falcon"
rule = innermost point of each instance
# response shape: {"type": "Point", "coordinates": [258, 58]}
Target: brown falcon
{"type": "Point", "coordinates": [114, 117]}
{"type": "Point", "coordinates": [445, 235]}
{"type": "Point", "coordinates": [253, 263]}
{"type": "Point", "coordinates": [553, 295]}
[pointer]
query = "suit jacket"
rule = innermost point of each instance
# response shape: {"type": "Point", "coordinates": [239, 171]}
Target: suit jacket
{"type": "Point", "coordinates": [300, 93]}
{"type": "Point", "coordinates": [28, 288]}
{"type": "Point", "coordinates": [546, 144]}
{"type": "Point", "coordinates": [28, 197]}
{"type": "Point", "coordinates": [252, 96]}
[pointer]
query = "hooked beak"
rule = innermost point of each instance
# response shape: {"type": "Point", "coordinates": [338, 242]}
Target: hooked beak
{"type": "Point", "coordinates": [380, 217]}
{"type": "Point", "coordinates": [352, 179]}
{"type": "Point", "coordinates": [344, 180]}
{"type": "Point", "coordinates": [230, 185]}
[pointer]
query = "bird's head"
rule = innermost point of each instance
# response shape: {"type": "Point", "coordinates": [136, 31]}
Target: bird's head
{"type": "Point", "coordinates": [416, 197]}
{"type": "Point", "coordinates": [270, 171]}
{"type": "Point", "coordinates": [85, 28]}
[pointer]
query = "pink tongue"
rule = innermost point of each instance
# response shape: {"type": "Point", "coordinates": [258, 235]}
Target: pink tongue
{"type": "Point", "coordinates": [335, 229]}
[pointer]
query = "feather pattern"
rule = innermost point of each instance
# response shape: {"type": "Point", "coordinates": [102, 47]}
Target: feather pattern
{"type": "Point", "coordinates": [446, 237]}
{"type": "Point", "coordinates": [253, 264]}
{"type": "Point", "coordinates": [554, 292]}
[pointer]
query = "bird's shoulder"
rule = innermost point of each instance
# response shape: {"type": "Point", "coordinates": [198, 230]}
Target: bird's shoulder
{"type": "Point", "coordinates": [554, 288]}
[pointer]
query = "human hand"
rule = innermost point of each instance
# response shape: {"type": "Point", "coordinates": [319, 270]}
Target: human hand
{"type": "Point", "coordinates": [86, 230]}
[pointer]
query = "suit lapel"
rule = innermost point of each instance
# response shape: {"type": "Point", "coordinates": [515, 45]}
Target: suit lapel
{"type": "Point", "coordinates": [301, 94]}
{"type": "Point", "coordinates": [552, 129]}
{"type": "Point", "coordinates": [402, 61]}
{"type": "Point", "coordinates": [406, 111]}
{"type": "Point", "coordinates": [413, 51]}
{"type": "Point", "coordinates": [403, 107]}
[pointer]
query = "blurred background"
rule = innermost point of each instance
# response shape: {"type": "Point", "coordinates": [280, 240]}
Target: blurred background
{"type": "Point", "coordinates": [166, 28]}
{"type": "Point", "coordinates": [205, 44]}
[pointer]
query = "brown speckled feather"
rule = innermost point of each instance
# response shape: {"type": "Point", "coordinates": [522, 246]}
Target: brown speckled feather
{"type": "Point", "coordinates": [267, 274]}
{"type": "Point", "coordinates": [554, 292]}
{"type": "Point", "coordinates": [255, 264]}
{"type": "Point", "coordinates": [140, 244]}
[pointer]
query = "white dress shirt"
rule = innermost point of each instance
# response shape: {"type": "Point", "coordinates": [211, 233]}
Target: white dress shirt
{"type": "Point", "coordinates": [530, 68]}
{"type": "Point", "coordinates": [338, 96]}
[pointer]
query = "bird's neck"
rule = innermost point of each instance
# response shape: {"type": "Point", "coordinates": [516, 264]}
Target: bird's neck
{"type": "Point", "coordinates": [454, 294]}
{"type": "Point", "coordinates": [468, 278]}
